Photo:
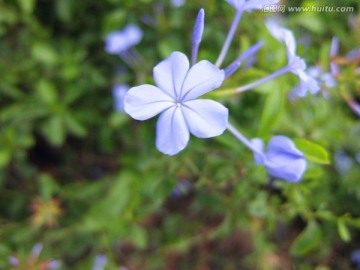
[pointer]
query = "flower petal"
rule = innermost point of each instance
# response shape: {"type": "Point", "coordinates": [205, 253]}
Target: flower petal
{"type": "Point", "coordinates": [170, 73]}
{"type": "Point", "coordinates": [119, 92]}
{"type": "Point", "coordinates": [237, 4]}
{"type": "Point", "coordinates": [280, 144]}
{"type": "Point", "coordinates": [251, 5]}
{"type": "Point", "coordinates": [145, 101]}
{"type": "Point", "coordinates": [286, 167]}
{"type": "Point", "coordinates": [172, 134]}
{"type": "Point", "coordinates": [205, 118]}
{"type": "Point", "coordinates": [306, 84]}
{"type": "Point", "coordinates": [259, 145]}
{"type": "Point", "coordinates": [283, 35]}
{"type": "Point", "coordinates": [201, 78]}
{"type": "Point", "coordinates": [283, 160]}
{"type": "Point", "coordinates": [119, 41]}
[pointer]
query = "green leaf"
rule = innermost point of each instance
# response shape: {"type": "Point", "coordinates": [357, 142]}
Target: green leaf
{"type": "Point", "coordinates": [27, 6]}
{"type": "Point", "coordinates": [271, 114]}
{"type": "Point", "coordinates": [44, 53]}
{"type": "Point", "coordinates": [48, 186]}
{"type": "Point", "coordinates": [343, 230]}
{"type": "Point", "coordinates": [307, 240]}
{"type": "Point", "coordinates": [74, 126]}
{"type": "Point", "coordinates": [63, 10]}
{"type": "Point", "coordinates": [313, 151]}
{"type": "Point", "coordinates": [46, 91]}
{"type": "Point", "coordinates": [54, 130]}
{"type": "Point", "coordinates": [5, 156]}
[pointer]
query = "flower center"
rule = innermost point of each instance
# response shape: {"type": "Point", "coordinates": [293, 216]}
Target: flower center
{"type": "Point", "coordinates": [178, 102]}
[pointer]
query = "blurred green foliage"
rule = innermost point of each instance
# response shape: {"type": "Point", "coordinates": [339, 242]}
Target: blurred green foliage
{"type": "Point", "coordinates": [85, 180]}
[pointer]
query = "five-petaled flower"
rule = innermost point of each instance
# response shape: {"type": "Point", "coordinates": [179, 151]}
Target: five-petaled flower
{"type": "Point", "coordinates": [175, 97]}
{"type": "Point", "coordinates": [295, 64]}
{"type": "Point", "coordinates": [282, 159]}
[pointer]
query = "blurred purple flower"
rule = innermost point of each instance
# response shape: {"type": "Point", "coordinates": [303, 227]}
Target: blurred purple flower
{"type": "Point", "coordinates": [355, 258]}
{"type": "Point", "coordinates": [250, 5]}
{"type": "Point", "coordinates": [322, 79]}
{"type": "Point", "coordinates": [177, 3]}
{"type": "Point", "coordinates": [119, 92]}
{"type": "Point", "coordinates": [282, 159]}
{"type": "Point", "coordinates": [100, 262]}
{"type": "Point", "coordinates": [119, 41]}
{"type": "Point", "coordinates": [175, 98]}
{"type": "Point", "coordinates": [296, 64]}
{"type": "Point", "coordinates": [182, 187]}
{"type": "Point", "coordinates": [343, 162]}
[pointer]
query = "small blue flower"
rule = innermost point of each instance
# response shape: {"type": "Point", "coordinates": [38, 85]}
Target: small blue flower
{"type": "Point", "coordinates": [119, 41]}
{"type": "Point", "coordinates": [182, 187]}
{"type": "Point", "coordinates": [282, 159]}
{"type": "Point", "coordinates": [250, 5]}
{"type": "Point", "coordinates": [175, 98]}
{"type": "Point", "coordinates": [295, 64]}
{"type": "Point", "coordinates": [355, 258]}
{"type": "Point", "coordinates": [177, 3]}
{"type": "Point", "coordinates": [100, 262]}
{"type": "Point", "coordinates": [321, 78]}
{"type": "Point", "coordinates": [119, 92]}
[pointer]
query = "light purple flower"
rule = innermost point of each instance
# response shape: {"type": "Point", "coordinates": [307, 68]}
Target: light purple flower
{"type": "Point", "coordinates": [119, 41]}
{"type": "Point", "coordinates": [177, 3]}
{"type": "Point", "coordinates": [182, 187]}
{"type": "Point", "coordinates": [13, 260]}
{"type": "Point", "coordinates": [250, 5]}
{"type": "Point", "coordinates": [119, 92]}
{"type": "Point", "coordinates": [321, 78]}
{"type": "Point", "coordinates": [100, 262]}
{"type": "Point", "coordinates": [175, 97]}
{"type": "Point", "coordinates": [296, 64]}
{"type": "Point", "coordinates": [282, 159]}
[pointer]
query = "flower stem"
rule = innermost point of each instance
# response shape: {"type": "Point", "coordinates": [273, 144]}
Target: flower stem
{"type": "Point", "coordinates": [263, 80]}
{"type": "Point", "coordinates": [229, 38]}
{"type": "Point", "coordinates": [243, 139]}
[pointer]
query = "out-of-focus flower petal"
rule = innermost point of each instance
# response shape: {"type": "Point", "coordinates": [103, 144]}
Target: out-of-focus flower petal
{"type": "Point", "coordinates": [259, 145]}
{"type": "Point", "coordinates": [237, 4]}
{"type": "Point", "coordinates": [282, 159]}
{"type": "Point", "coordinates": [172, 133]}
{"type": "Point", "coordinates": [100, 262]}
{"type": "Point", "coordinates": [251, 5]}
{"type": "Point", "coordinates": [133, 34]}
{"type": "Point", "coordinates": [307, 83]}
{"type": "Point", "coordinates": [201, 78]}
{"type": "Point", "coordinates": [283, 35]}
{"type": "Point", "coordinates": [55, 264]}
{"type": "Point", "coordinates": [13, 260]}
{"type": "Point", "coordinates": [36, 250]}
{"type": "Point", "coordinates": [280, 144]}
{"type": "Point", "coordinates": [119, 92]}
{"type": "Point", "coordinates": [170, 73]}
{"type": "Point", "coordinates": [177, 3]}
{"type": "Point", "coordinates": [145, 101]}
{"type": "Point", "coordinates": [286, 167]}
{"type": "Point", "coordinates": [205, 118]}
{"type": "Point", "coordinates": [119, 41]}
